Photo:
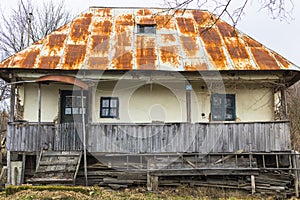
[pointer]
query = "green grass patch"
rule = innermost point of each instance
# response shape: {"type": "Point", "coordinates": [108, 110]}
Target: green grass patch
{"type": "Point", "coordinates": [10, 190]}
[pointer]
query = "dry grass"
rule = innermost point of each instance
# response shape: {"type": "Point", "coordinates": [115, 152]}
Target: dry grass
{"type": "Point", "coordinates": [178, 193]}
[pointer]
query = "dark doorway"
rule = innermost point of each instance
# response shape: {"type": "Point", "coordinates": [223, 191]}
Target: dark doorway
{"type": "Point", "coordinates": [70, 106]}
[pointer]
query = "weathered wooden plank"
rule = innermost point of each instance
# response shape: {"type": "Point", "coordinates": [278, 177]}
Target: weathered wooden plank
{"type": "Point", "coordinates": [159, 138]}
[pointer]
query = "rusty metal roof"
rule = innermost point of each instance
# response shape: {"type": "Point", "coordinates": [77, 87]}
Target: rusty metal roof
{"type": "Point", "coordinates": [107, 39]}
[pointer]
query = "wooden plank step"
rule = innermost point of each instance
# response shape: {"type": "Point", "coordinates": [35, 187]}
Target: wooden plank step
{"type": "Point", "coordinates": [61, 153]}
{"type": "Point", "coordinates": [57, 162]}
{"type": "Point", "coordinates": [57, 167]}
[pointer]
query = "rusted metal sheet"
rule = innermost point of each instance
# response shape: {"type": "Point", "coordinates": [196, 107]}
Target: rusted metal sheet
{"type": "Point", "coordinates": [146, 57]}
{"type": "Point", "coordinates": [108, 39]}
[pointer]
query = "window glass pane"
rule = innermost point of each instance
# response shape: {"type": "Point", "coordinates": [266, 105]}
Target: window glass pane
{"type": "Point", "coordinates": [229, 114]}
{"type": "Point", "coordinates": [113, 103]}
{"type": "Point", "coordinates": [142, 28]}
{"type": "Point", "coordinates": [77, 101]}
{"type": "Point", "coordinates": [217, 114]}
{"type": "Point", "coordinates": [113, 112]}
{"type": "Point", "coordinates": [217, 101]}
{"type": "Point", "coordinates": [105, 103]}
{"type": "Point", "coordinates": [229, 102]}
{"type": "Point", "coordinates": [75, 111]}
{"type": "Point", "coordinates": [68, 111]}
{"type": "Point", "coordinates": [105, 112]}
{"type": "Point", "coordinates": [68, 101]}
{"type": "Point", "coordinates": [150, 29]}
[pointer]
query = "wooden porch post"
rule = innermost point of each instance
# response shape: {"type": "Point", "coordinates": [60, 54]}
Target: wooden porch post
{"type": "Point", "coordinates": [39, 125]}
{"type": "Point", "coordinates": [283, 102]}
{"type": "Point", "coordinates": [188, 88]}
{"type": "Point", "coordinates": [84, 138]}
{"type": "Point", "coordinates": [11, 119]}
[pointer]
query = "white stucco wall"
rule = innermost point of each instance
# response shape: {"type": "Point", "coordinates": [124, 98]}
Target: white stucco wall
{"type": "Point", "coordinates": [144, 102]}
{"type": "Point", "coordinates": [49, 101]}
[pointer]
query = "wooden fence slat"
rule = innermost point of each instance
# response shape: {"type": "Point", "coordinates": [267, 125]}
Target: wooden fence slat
{"type": "Point", "coordinates": [153, 138]}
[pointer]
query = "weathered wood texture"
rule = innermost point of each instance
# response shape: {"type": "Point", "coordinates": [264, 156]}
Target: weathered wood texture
{"type": "Point", "coordinates": [24, 136]}
{"type": "Point", "coordinates": [184, 137]}
{"type": "Point", "coordinates": [155, 138]}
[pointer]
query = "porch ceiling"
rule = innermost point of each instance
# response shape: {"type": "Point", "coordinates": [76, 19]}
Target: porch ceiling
{"type": "Point", "coordinates": [107, 39]}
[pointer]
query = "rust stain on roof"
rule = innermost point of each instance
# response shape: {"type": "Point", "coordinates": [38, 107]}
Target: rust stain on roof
{"type": "Point", "coordinates": [250, 42]}
{"type": "Point", "coordinates": [218, 57]}
{"type": "Point", "coordinates": [211, 37]}
{"type": "Point", "coordinates": [238, 53]}
{"type": "Point", "coordinates": [146, 57]}
{"type": "Point", "coordinates": [47, 62]}
{"type": "Point", "coordinates": [102, 12]}
{"type": "Point", "coordinates": [169, 55]}
{"type": "Point", "coordinates": [264, 59]}
{"type": "Point", "coordinates": [144, 12]}
{"type": "Point", "coordinates": [80, 29]}
{"type": "Point", "coordinates": [281, 60]}
{"type": "Point", "coordinates": [100, 45]}
{"type": "Point", "coordinates": [186, 26]}
{"type": "Point", "coordinates": [123, 61]}
{"type": "Point", "coordinates": [203, 18]}
{"type": "Point", "coordinates": [189, 44]}
{"type": "Point", "coordinates": [195, 66]}
{"type": "Point", "coordinates": [102, 27]}
{"type": "Point", "coordinates": [107, 39]}
{"type": "Point", "coordinates": [27, 60]}
{"type": "Point", "coordinates": [101, 63]}
{"type": "Point", "coordinates": [145, 20]}
{"type": "Point", "coordinates": [55, 43]}
{"type": "Point", "coordinates": [226, 30]}
{"type": "Point", "coordinates": [165, 22]}
{"type": "Point", "coordinates": [124, 20]}
{"type": "Point", "coordinates": [74, 56]}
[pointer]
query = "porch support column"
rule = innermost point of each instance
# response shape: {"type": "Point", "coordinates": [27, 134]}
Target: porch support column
{"type": "Point", "coordinates": [11, 120]}
{"type": "Point", "coordinates": [283, 100]}
{"type": "Point", "coordinates": [39, 125]}
{"type": "Point", "coordinates": [84, 138]}
{"type": "Point", "coordinates": [188, 89]}
{"type": "Point", "coordinates": [90, 104]}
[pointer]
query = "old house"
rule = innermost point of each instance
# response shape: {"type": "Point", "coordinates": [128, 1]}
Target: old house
{"type": "Point", "coordinates": [144, 91]}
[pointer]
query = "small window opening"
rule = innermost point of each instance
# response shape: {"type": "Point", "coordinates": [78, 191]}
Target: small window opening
{"type": "Point", "coordinates": [223, 107]}
{"type": "Point", "coordinates": [146, 28]}
{"type": "Point", "coordinates": [109, 107]}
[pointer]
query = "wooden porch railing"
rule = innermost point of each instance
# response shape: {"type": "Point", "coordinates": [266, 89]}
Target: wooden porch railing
{"type": "Point", "coordinates": [152, 138]}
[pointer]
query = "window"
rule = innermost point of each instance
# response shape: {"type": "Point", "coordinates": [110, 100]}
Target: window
{"type": "Point", "coordinates": [223, 107]}
{"type": "Point", "coordinates": [109, 107]}
{"type": "Point", "coordinates": [71, 105]}
{"type": "Point", "coordinates": [143, 28]}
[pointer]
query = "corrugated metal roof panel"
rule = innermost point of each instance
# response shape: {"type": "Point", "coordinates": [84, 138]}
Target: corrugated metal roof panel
{"type": "Point", "coordinates": [107, 39]}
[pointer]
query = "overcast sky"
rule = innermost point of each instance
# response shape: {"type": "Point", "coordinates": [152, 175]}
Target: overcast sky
{"type": "Point", "coordinates": [281, 36]}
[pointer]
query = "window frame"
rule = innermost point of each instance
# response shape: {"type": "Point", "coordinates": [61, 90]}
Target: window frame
{"type": "Point", "coordinates": [141, 28]}
{"type": "Point", "coordinates": [109, 107]}
{"type": "Point", "coordinates": [223, 108]}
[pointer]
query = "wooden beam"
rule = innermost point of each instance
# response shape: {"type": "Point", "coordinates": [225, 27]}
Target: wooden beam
{"type": "Point", "coordinates": [188, 88]}
{"type": "Point", "coordinates": [296, 179]}
{"type": "Point", "coordinates": [90, 103]}
{"type": "Point", "coordinates": [252, 184]}
{"type": "Point", "coordinates": [39, 124]}
{"type": "Point", "coordinates": [84, 138]}
{"type": "Point", "coordinates": [8, 136]}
